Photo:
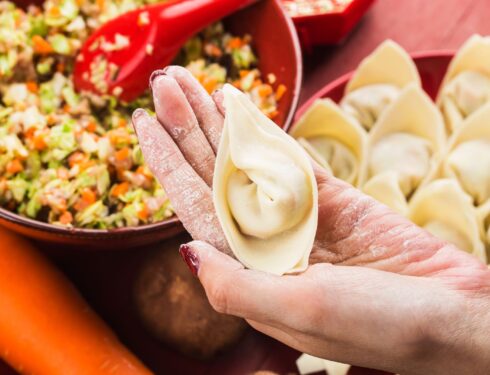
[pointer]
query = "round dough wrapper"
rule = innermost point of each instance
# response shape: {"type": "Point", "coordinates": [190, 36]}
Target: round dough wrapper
{"type": "Point", "coordinates": [406, 143]}
{"type": "Point", "coordinates": [377, 82]}
{"type": "Point", "coordinates": [332, 139]}
{"type": "Point", "coordinates": [468, 156]}
{"type": "Point", "coordinates": [466, 85]}
{"type": "Point", "coordinates": [445, 210]}
{"type": "Point", "coordinates": [264, 190]}
{"type": "Point", "coordinates": [385, 188]}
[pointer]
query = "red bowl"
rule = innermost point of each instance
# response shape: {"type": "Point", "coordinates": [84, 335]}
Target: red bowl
{"type": "Point", "coordinates": [432, 66]}
{"type": "Point", "coordinates": [277, 46]}
{"type": "Point", "coordinates": [330, 27]}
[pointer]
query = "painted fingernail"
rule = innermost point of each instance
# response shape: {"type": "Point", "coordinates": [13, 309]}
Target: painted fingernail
{"type": "Point", "coordinates": [190, 258]}
{"type": "Point", "coordinates": [155, 74]}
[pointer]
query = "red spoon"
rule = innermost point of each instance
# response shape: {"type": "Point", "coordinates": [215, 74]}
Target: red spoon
{"type": "Point", "coordinates": [120, 56]}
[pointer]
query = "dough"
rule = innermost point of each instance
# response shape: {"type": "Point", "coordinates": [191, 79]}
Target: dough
{"type": "Point", "coordinates": [468, 158]}
{"type": "Point", "coordinates": [446, 211]}
{"type": "Point", "coordinates": [403, 148]}
{"type": "Point", "coordinates": [466, 85]}
{"type": "Point", "coordinates": [264, 190]}
{"type": "Point", "coordinates": [377, 82]}
{"type": "Point", "coordinates": [332, 139]}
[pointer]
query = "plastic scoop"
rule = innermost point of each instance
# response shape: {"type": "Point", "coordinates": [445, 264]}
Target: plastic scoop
{"type": "Point", "coordinates": [119, 57]}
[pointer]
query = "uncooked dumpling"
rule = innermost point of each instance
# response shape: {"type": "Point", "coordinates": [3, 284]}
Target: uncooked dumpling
{"type": "Point", "coordinates": [377, 82]}
{"type": "Point", "coordinates": [468, 158]}
{"type": "Point", "coordinates": [332, 139]}
{"type": "Point", "coordinates": [484, 217]}
{"type": "Point", "coordinates": [264, 190]}
{"type": "Point", "coordinates": [403, 148]}
{"type": "Point", "coordinates": [466, 85]}
{"type": "Point", "coordinates": [446, 211]}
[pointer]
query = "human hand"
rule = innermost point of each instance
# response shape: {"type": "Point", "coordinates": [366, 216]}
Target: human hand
{"type": "Point", "coordinates": [418, 304]}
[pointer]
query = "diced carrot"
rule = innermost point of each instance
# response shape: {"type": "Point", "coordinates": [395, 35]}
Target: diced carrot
{"type": "Point", "coordinates": [120, 189]}
{"type": "Point", "coordinates": [235, 43]}
{"type": "Point", "coordinates": [41, 46]}
{"type": "Point", "coordinates": [100, 4]}
{"type": "Point", "coordinates": [122, 154]}
{"type": "Point", "coordinates": [210, 84]}
{"type": "Point", "coordinates": [51, 119]}
{"type": "Point", "coordinates": [243, 73]}
{"type": "Point", "coordinates": [91, 126]}
{"type": "Point", "coordinates": [122, 123]}
{"type": "Point", "coordinates": [265, 90]}
{"type": "Point", "coordinates": [273, 114]}
{"type": "Point", "coordinates": [143, 213]}
{"type": "Point", "coordinates": [60, 67]}
{"type": "Point", "coordinates": [30, 132]}
{"type": "Point", "coordinates": [54, 11]}
{"type": "Point", "coordinates": [88, 196]}
{"type": "Point", "coordinates": [87, 163]}
{"type": "Point", "coordinates": [14, 166]}
{"type": "Point", "coordinates": [257, 82]}
{"type": "Point", "coordinates": [76, 158]}
{"type": "Point", "coordinates": [66, 218]}
{"type": "Point", "coordinates": [32, 86]}
{"type": "Point", "coordinates": [39, 142]}
{"type": "Point", "coordinates": [142, 170]}
{"type": "Point", "coordinates": [66, 108]}
{"type": "Point", "coordinates": [281, 89]}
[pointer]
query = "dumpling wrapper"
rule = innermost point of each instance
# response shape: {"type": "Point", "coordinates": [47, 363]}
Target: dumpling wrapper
{"type": "Point", "coordinates": [445, 210]}
{"type": "Point", "coordinates": [468, 156]}
{"type": "Point", "coordinates": [484, 216]}
{"type": "Point", "coordinates": [264, 190]}
{"type": "Point", "coordinates": [403, 148]}
{"type": "Point", "coordinates": [332, 139]}
{"type": "Point", "coordinates": [307, 364]}
{"type": "Point", "coordinates": [466, 85]}
{"type": "Point", "coordinates": [377, 82]}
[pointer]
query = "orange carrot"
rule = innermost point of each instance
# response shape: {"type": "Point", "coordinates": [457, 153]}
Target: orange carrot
{"type": "Point", "coordinates": [40, 45]}
{"type": "Point", "coordinates": [143, 213]}
{"type": "Point", "coordinates": [32, 86]}
{"type": "Point", "coordinates": [120, 189]}
{"type": "Point", "coordinates": [46, 327]}
{"type": "Point", "coordinates": [122, 154]}
{"type": "Point", "coordinates": [40, 142]}
{"type": "Point", "coordinates": [66, 218]}
{"type": "Point", "coordinates": [265, 90]}
{"type": "Point", "coordinates": [281, 89]}
{"type": "Point", "coordinates": [14, 166]}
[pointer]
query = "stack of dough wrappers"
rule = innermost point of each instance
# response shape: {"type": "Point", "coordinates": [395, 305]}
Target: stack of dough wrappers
{"type": "Point", "coordinates": [430, 161]}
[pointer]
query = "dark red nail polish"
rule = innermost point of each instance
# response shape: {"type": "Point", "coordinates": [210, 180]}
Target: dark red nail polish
{"type": "Point", "coordinates": [155, 74]}
{"type": "Point", "coordinates": [190, 258]}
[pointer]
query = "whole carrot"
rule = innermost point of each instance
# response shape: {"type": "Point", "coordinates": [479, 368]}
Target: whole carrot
{"type": "Point", "coordinates": [45, 325]}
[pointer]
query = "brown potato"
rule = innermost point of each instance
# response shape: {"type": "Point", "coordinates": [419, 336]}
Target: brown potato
{"type": "Point", "coordinates": [174, 308]}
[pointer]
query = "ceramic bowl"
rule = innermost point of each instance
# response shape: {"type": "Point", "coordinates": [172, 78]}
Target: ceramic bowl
{"type": "Point", "coordinates": [278, 49]}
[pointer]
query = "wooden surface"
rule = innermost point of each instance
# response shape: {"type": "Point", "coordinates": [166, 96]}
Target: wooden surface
{"type": "Point", "coordinates": [415, 24]}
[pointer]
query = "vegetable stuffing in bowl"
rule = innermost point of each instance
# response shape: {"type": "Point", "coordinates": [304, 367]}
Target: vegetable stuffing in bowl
{"type": "Point", "coordinates": [71, 159]}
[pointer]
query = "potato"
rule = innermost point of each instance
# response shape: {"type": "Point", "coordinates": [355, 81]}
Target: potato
{"type": "Point", "coordinates": [173, 306]}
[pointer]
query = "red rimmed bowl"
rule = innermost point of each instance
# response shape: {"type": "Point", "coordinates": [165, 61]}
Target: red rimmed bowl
{"type": "Point", "coordinates": [278, 50]}
{"type": "Point", "coordinates": [432, 66]}
{"type": "Point", "coordinates": [330, 27]}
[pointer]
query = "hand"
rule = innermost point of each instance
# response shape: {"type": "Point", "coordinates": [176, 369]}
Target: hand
{"type": "Point", "coordinates": [407, 303]}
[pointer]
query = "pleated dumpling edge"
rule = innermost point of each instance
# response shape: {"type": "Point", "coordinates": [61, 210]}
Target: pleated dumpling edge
{"type": "Point", "coordinates": [264, 190]}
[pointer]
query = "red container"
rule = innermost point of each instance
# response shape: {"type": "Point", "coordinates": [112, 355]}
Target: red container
{"type": "Point", "coordinates": [330, 27]}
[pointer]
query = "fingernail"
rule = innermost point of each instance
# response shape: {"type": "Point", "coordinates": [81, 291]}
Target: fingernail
{"type": "Point", "coordinates": [136, 115]}
{"type": "Point", "coordinates": [190, 258]}
{"type": "Point", "coordinates": [216, 92]}
{"type": "Point", "coordinates": [155, 74]}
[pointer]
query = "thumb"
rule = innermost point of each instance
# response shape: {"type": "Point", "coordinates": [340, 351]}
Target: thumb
{"type": "Point", "coordinates": [232, 289]}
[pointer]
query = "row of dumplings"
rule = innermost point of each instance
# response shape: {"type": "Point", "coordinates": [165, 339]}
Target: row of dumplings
{"type": "Point", "coordinates": [428, 161]}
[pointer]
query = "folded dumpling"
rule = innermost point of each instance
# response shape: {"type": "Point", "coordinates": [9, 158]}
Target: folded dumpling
{"type": "Point", "coordinates": [377, 82]}
{"type": "Point", "coordinates": [466, 85]}
{"type": "Point", "coordinates": [467, 158]}
{"type": "Point", "coordinates": [403, 148]}
{"type": "Point", "coordinates": [484, 217]}
{"type": "Point", "coordinates": [264, 190]}
{"type": "Point", "coordinates": [333, 139]}
{"type": "Point", "coordinates": [445, 210]}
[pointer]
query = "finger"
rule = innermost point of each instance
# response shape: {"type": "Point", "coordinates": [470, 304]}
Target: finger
{"type": "Point", "coordinates": [219, 100]}
{"type": "Point", "coordinates": [190, 196]}
{"type": "Point", "coordinates": [249, 294]}
{"type": "Point", "coordinates": [209, 118]}
{"type": "Point", "coordinates": [176, 115]}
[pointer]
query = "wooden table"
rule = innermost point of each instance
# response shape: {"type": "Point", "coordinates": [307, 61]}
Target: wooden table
{"type": "Point", "coordinates": [415, 24]}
